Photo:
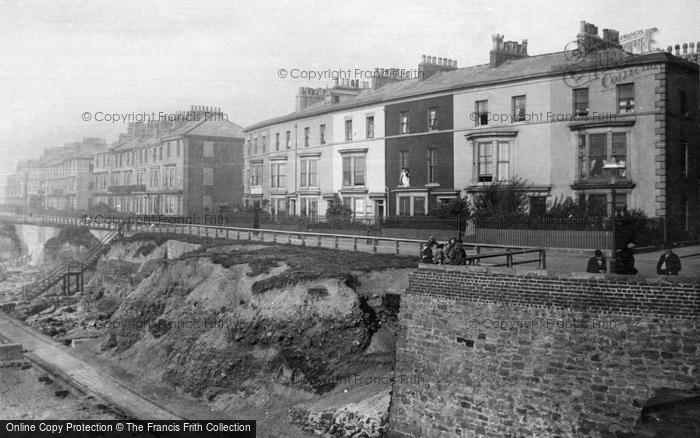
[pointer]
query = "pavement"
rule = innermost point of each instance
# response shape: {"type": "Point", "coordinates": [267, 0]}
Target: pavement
{"type": "Point", "coordinates": [54, 357]}
{"type": "Point", "coordinates": [557, 261]}
{"type": "Point", "coordinates": [644, 262]}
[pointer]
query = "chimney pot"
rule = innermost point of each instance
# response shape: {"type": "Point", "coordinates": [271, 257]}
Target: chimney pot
{"type": "Point", "coordinates": [692, 47]}
{"type": "Point", "coordinates": [685, 48]}
{"type": "Point", "coordinates": [423, 59]}
{"type": "Point", "coordinates": [678, 49]}
{"type": "Point", "coordinates": [669, 49]}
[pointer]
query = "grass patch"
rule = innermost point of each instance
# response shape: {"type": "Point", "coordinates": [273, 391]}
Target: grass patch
{"type": "Point", "coordinates": [305, 263]}
{"type": "Point", "coordinates": [161, 238]}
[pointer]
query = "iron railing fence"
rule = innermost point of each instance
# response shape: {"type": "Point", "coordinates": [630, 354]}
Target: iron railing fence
{"type": "Point", "coordinates": [579, 232]}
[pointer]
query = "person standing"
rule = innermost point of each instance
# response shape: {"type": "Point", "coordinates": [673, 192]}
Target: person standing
{"type": "Point", "coordinates": [624, 261]}
{"type": "Point", "coordinates": [597, 264]}
{"type": "Point", "coordinates": [669, 263]}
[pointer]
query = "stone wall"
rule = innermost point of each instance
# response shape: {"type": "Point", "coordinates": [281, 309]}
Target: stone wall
{"type": "Point", "coordinates": [510, 353]}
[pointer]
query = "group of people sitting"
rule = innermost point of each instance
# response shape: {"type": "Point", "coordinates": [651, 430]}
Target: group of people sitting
{"type": "Point", "coordinates": [450, 253]}
{"type": "Point", "coordinates": [669, 263]}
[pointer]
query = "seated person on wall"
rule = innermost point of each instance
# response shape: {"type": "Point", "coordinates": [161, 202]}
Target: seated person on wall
{"type": "Point", "coordinates": [448, 250]}
{"type": "Point", "coordinates": [669, 263]}
{"type": "Point", "coordinates": [597, 264]}
{"type": "Point", "coordinates": [426, 253]}
{"type": "Point", "coordinates": [439, 254]}
{"type": "Point", "coordinates": [459, 256]}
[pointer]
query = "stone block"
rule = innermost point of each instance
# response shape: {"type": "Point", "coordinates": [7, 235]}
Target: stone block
{"type": "Point", "coordinates": [10, 352]}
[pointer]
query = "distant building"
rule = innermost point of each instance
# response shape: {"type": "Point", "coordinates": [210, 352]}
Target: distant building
{"type": "Point", "coordinates": [189, 164]}
{"type": "Point", "coordinates": [177, 168]}
{"type": "Point", "coordinates": [66, 174]}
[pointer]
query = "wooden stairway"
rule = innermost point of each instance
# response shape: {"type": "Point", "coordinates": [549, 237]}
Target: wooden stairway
{"type": "Point", "coordinates": [66, 271]}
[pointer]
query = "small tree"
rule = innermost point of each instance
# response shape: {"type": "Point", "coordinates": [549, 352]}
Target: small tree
{"type": "Point", "coordinates": [336, 208]}
{"type": "Point", "coordinates": [501, 198]}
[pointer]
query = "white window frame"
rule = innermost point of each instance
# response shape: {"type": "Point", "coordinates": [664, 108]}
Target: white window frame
{"type": "Point", "coordinates": [276, 175]}
{"type": "Point", "coordinates": [208, 176]}
{"type": "Point", "coordinates": [412, 196]}
{"type": "Point", "coordinates": [208, 149]}
{"type": "Point", "coordinates": [499, 148]}
{"type": "Point", "coordinates": [305, 173]}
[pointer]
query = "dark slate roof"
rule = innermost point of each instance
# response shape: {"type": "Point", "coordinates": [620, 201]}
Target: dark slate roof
{"type": "Point", "coordinates": [216, 128]}
{"type": "Point", "coordinates": [550, 64]}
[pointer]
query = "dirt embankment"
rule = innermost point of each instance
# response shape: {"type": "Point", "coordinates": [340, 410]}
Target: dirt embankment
{"type": "Point", "coordinates": [257, 331]}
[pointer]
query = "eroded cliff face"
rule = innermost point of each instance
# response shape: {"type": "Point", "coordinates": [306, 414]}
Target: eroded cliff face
{"type": "Point", "coordinates": [200, 325]}
{"type": "Point", "coordinates": [246, 323]}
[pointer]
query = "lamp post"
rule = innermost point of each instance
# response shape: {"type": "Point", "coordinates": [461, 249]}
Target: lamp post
{"type": "Point", "coordinates": [615, 170]}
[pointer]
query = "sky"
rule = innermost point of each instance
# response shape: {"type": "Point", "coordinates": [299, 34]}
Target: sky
{"type": "Point", "coordinates": [61, 59]}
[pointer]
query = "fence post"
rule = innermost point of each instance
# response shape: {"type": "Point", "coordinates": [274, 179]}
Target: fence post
{"type": "Point", "coordinates": [543, 259]}
{"type": "Point", "coordinates": [397, 247]}
{"type": "Point", "coordinates": [354, 244]}
{"type": "Point", "coordinates": [336, 242]}
{"type": "Point", "coordinates": [319, 240]}
{"type": "Point", "coordinates": [374, 245]}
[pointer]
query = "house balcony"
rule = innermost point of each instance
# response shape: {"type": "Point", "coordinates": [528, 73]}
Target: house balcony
{"type": "Point", "coordinates": [125, 190]}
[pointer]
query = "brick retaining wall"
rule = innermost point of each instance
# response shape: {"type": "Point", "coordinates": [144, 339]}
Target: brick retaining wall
{"type": "Point", "coordinates": [502, 352]}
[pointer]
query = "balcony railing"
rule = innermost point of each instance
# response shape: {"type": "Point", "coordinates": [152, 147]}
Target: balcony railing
{"type": "Point", "coordinates": [124, 190]}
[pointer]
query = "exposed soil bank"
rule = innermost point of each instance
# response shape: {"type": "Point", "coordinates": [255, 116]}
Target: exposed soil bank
{"type": "Point", "coordinates": [251, 329]}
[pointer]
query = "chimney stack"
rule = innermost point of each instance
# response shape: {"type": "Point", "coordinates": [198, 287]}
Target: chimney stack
{"type": "Point", "coordinates": [502, 52]}
{"type": "Point", "coordinates": [430, 65]}
{"type": "Point", "coordinates": [589, 41]}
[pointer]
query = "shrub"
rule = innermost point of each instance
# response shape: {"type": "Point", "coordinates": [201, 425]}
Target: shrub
{"type": "Point", "coordinates": [336, 208]}
{"type": "Point", "coordinates": [565, 208]}
{"type": "Point", "coordinates": [501, 198]}
{"type": "Point", "coordinates": [455, 208]}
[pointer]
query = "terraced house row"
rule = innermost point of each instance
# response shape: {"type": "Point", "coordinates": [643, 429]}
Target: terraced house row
{"type": "Point", "coordinates": [401, 145]}
{"type": "Point", "coordinates": [182, 166]}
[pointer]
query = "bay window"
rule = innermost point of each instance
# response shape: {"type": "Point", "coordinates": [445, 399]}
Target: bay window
{"type": "Point", "coordinates": [493, 161]}
{"type": "Point", "coordinates": [595, 148]}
